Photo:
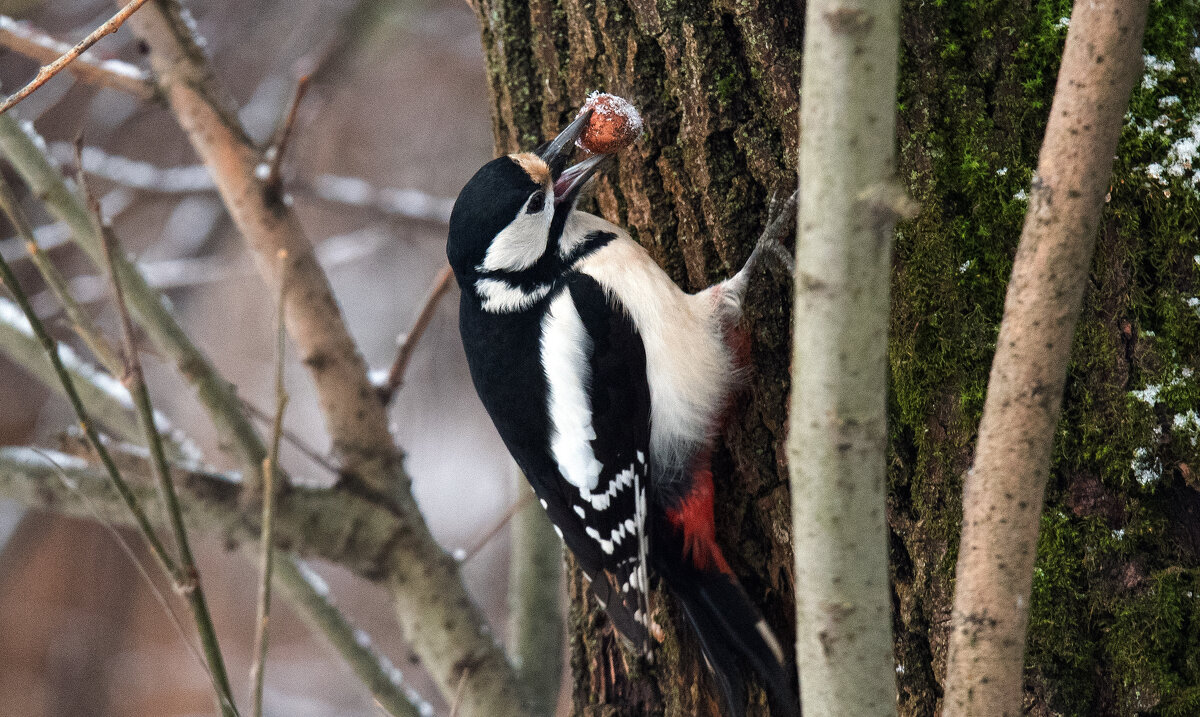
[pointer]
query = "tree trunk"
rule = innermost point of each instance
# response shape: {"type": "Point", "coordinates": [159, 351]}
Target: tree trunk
{"type": "Point", "coordinates": [1115, 621]}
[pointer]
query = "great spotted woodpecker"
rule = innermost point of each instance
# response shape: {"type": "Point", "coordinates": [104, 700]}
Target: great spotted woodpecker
{"type": "Point", "coordinates": [606, 383]}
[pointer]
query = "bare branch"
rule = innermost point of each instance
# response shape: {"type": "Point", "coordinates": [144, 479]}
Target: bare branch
{"type": "Point", "coordinates": [437, 616]}
{"type": "Point", "coordinates": [408, 342]}
{"type": "Point", "coordinates": [355, 420]}
{"type": "Point", "coordinates": [279, 147]}
{"type": "Point", "coordinates": [1003, 493]}
{"type": "Point", "coordinates": [266, 546]}
{"type": "Point", "coordinates": [80, 320]}
{"type": "Point", "coordinates": [50, 70]}
{"type": "Point", "coordinates": [187, 578]}
{"type": "Point", "coordinates": [23, 149]}
{"type": "Point", "coordinates": [115, 74]}
{"type": "Point", "coordinates": [838, 417]}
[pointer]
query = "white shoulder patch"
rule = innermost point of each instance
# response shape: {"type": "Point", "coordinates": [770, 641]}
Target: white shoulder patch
{"type": "Point", "coordinates": [519, 245]}
{"type": "Point", "coordinates": [565, 350]}
{"type": "Point", "coordinates": [500, 297]}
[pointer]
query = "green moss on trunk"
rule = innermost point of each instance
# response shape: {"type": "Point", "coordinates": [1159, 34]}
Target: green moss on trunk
{"type": "Point", "coordinates": [978, 79]}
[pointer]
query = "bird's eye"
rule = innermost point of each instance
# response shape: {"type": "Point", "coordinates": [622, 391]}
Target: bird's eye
{"type": "Point", "coordinates": [536, 203]}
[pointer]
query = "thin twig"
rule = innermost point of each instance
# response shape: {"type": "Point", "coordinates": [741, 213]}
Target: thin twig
{"type": "Point", "coordinates": [126, 548]}
{"type": "Point", "coordinates": [186, 577]}
{"type": "Point", "coordinates": [495, 529]}
{"type": "Point", "coordinates": [81, 322]}
{"type": "Point", "coordinates": [21, 148]}
{"type": "Point", "coordinates": [47, 71]}
{"type": "Point", "coordinates": [266, 542]}
{"type": "Point", "coordinates": [458, 692]}
{"type": "Point", "coordinates": [408, 342]}
{"type": "Point", "coordinates": [294, 439]}
{"type": "Point", "coordinates": [9, 280]}
{"type": "Point", "coordinates": [115, 74]}
{"type": "Point", "coordinates": [279, 147]}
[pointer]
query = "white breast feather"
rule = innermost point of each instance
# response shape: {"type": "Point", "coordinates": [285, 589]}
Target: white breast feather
{"type": "Point", "coordinates": [688, 364]}
{"type": "Point", "coordinates": [565, 352]}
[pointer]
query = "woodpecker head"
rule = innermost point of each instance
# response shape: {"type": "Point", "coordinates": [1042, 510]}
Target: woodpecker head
{"type": "Point", "coordinates": [507, 221]}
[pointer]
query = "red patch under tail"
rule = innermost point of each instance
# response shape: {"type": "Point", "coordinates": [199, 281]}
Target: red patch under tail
{"type": "Point", "coordinates": [693, 516]}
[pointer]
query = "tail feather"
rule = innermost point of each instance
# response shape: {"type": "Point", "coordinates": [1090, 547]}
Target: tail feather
{"type": "Point", "coordinates": [732, 633]}
{"type": "Point", "coordinates": [624, 613]}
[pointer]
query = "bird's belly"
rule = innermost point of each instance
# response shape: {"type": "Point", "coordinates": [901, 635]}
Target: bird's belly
{"type": "Point", "coordinates": [688, 365]}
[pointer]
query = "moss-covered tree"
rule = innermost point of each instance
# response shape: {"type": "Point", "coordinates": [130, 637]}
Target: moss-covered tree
{"type": "Point", "coordinates": [1115, 627]}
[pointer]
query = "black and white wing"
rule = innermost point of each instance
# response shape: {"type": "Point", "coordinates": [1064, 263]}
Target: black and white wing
{"type": "Point", "coordinates": [599, 411]}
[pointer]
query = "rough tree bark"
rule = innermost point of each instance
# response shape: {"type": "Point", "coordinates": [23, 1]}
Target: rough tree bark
{"type": "Point", "coordinates": [1115, 624]}
{"type": "Point", "coordinates": [719, 93]}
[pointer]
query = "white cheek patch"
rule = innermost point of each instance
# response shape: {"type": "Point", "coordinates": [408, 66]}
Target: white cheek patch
{"type": "Point", "coordinates": [520, 244]}
{"type": "Point", "coordinates": [565, 348]}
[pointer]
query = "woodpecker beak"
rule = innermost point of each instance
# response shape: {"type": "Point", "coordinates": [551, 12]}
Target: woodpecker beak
{"type": "Point", "coordinates": [556, 153]}
{"type": "Point", "coordinates": [573, 179]}
{"type": "Point", "coordinates": [569, 181]}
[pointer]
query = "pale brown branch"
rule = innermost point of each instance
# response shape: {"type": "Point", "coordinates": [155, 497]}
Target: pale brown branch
{"type": "Point", "coordinates": [114, 74]}
{"type": "Point", "coordinates": [1003, 493]}
{"type": "Point", "coordinates": [53, 68]}
{"type": "Point", "coordinates": [408, 342]}
{"type": "Point", "coordinates": [838, 417]}
{"type": "Point", "coordinates": [356, 422]}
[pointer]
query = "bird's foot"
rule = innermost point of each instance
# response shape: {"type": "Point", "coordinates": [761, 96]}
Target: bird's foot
{"type": "Point", "coordinates": [780, 215]}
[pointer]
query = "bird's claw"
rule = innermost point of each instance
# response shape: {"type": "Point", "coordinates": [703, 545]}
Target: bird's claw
{"type": "Point", "coordinates": [779, 221]}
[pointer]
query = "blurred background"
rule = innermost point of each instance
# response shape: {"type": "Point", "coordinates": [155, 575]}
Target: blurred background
{"type": "Point", "coordinates": [395, 122]}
